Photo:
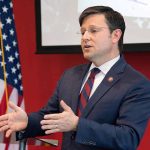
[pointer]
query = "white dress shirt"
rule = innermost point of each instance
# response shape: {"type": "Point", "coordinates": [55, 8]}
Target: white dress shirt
{"type": "Point", "coordinates": [100, 76]}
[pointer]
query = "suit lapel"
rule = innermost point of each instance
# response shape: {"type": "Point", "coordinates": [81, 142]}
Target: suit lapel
{"type": "Point", "coordinates": [111, 78]}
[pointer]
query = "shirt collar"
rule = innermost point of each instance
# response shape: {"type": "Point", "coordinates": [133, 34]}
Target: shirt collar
{"type": "Point", "coordinates": [106, 66]}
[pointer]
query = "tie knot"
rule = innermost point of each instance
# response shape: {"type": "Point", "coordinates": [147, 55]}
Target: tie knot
{"type": "Point", "coordinates": [94, 71]}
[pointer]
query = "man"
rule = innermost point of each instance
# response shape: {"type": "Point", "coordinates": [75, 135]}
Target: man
{"type": "Point", "coordinates": [104, 109]}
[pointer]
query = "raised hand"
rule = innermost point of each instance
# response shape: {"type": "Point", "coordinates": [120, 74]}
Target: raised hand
{"type": "Point", "coordinates": [17, 120]}
{"type": "Point", "coordinates": [61, 122]}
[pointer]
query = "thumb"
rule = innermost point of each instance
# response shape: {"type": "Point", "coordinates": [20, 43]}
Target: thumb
{"type": "Point", "coordinates": [13, 106]}
{"type": "Point", "coordinates": [65, 106]}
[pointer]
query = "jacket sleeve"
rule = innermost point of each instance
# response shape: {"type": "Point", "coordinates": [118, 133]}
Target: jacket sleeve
{"type": "Point", "coordinates": [34, 127]}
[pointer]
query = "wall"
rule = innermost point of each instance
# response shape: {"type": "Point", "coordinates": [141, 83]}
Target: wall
{"type": "Point", "coordinates": [41, 72]}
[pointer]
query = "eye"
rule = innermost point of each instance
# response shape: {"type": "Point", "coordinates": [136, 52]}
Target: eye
{"type": "Point", "coordinates": [92, 30]}
{"type": "Point", "coordinates": [83, 32]}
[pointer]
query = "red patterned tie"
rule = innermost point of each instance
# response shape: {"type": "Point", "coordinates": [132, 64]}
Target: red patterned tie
{"type": "Point", "coordinates": [85, 93]}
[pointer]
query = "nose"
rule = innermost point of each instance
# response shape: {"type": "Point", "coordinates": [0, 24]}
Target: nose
{"type": "Point", "coordinates": [86, 35]}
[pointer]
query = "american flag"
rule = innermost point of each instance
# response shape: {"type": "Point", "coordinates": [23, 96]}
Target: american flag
{"type": "Point", "coordinates": [10, 72]}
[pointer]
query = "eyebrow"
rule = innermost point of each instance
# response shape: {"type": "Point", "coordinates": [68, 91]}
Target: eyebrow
{"type": "Point", "coordinates": [93, 26]}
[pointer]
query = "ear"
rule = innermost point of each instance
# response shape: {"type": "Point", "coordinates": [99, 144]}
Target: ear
{"type": "Point", "coordinates": [116, 34]}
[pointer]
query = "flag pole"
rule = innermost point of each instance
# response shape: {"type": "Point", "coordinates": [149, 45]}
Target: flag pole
{"type": "Point", "coordinates": [4, 67]}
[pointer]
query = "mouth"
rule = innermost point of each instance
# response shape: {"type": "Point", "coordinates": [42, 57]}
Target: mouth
{"type": "Point", "coordinates": [87, 46]}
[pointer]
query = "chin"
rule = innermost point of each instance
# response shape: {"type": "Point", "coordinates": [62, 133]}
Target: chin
{"type": "Point", "coordinates": [87, 56]}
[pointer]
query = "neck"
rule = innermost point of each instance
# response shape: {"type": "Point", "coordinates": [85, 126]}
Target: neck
{"type": "Point", "coordinates": [101, 61]}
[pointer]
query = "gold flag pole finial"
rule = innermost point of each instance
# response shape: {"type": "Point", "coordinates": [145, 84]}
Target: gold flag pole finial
{"type": "Point", "coordinates": [3, 65]}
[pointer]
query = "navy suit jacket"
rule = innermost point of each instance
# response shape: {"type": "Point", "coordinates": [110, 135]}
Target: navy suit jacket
{"type": "Point", "coordinates": [114, 118]}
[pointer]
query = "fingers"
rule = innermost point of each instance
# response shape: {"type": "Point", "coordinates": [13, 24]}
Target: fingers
{"type": "Point", "coordinates": [13, 106]}
{"type": "Point", "coordinates": [8, 133]}
{"type": "Point", "coordinates": [52, 116]}
{"type": "Point", "coordinates": [4, 128]}
{"type": "Point", "coordinates": [58, 115]}
{"type": "Point", "coordinates": [4, 117]}
{"type": "Point", "coordinates": [52, 131]}
{"type": "Point", "coordinates": [50, 128]}
{"type": "Point", "coordinates": [45, 122]}
{"type": "Point", "coordinates": [64, 106]}
{"type": "Point", "coordinates": [3, 123]}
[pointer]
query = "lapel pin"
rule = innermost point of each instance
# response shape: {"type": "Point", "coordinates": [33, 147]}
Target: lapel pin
{"type": "Point", "coordinates": [110, 79]}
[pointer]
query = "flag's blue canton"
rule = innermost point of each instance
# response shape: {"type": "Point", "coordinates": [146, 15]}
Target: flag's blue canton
{"type": "Point", "coordinates": [13, 72]}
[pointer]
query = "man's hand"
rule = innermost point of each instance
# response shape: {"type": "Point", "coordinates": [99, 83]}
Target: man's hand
{"type": "Point", "coordinates": [61, 122]}
{"type": "Point", "coordinates": [14, 121]}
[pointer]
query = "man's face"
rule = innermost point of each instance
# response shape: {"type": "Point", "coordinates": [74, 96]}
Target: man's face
{"type": "Point", "coordinates": [98, 44]}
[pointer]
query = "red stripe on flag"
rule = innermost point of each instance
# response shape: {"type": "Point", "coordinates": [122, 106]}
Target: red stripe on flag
{"type": "Point", "coordinates": [3, 104]}
{"type": "Point", "coordinates": [20, 100]}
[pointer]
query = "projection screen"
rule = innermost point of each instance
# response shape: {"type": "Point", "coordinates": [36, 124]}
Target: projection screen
{"type": "Point", "coordinates": [57, 23]}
